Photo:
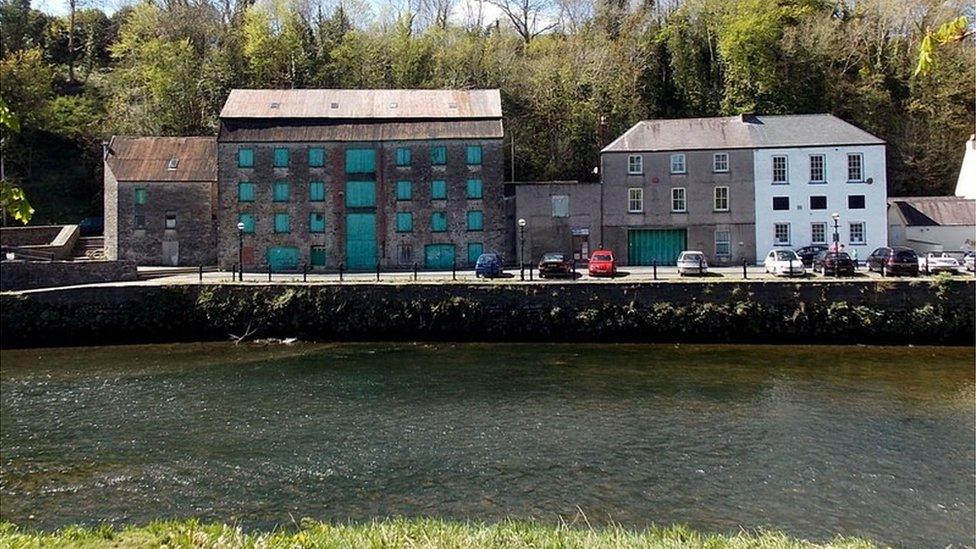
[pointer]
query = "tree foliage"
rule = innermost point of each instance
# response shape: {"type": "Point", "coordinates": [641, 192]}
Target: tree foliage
{"type": "Point", "coordinates": [573, 73]}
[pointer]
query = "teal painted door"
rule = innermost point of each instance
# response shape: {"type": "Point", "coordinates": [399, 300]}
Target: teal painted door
{"type": "Point", "coordinates": [645, 246]}
{"type": "Point", "coordinates": [361, 240]}
{"type": "Point", "coordinates": [283, 258]}
{"type": "Point", "coordinates": [439, 256]}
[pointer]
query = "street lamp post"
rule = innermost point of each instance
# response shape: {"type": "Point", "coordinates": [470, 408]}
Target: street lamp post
{"type": "Point", "coordinates": [521, 224]}
{"type": "Point", "coordinates": [836, 216]}
{"type": "Point", "coordinates": [240, 248]}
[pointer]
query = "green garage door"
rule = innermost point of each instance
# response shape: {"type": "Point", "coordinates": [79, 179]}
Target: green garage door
{"type": "Point", "coordinates": [361, 240]}
{"type": "Point", "coordinates": [645, 246]}
{"type": "Point", "coordinates": [439, 256]}
{"type": "Point", "coordinates": [283, 258]}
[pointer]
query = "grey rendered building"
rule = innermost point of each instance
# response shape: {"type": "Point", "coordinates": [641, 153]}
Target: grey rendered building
{"type": "Point", "coordinates": [673, 185]}
{"type": "Point", "coordinates": [160, 194]}
{"type": "Point", "coordinates": [357, 178]}
{"type": "Point", "coordinates": [560, 216]}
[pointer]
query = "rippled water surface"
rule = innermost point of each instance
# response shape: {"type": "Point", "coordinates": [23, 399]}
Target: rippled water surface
{"type": "Point", "coordinates": [816, 441]}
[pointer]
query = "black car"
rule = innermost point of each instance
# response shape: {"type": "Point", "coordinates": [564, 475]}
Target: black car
{"type": "Point", "coordinates": [807, 253]}
{"type": "Point", "coordinates": [893, 261]}
{"type": "Point", "coordinates": [833, 263]}
{"type": "Point", "coordinates": [91, 226]}
{"type": "Point", "coordinates": [555, 264]}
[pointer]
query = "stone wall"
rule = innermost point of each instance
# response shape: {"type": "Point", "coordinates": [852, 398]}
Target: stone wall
{"type": "Point", "coordinates": [494, 236]}
{"type": "Point", "coordinates": [868, 312]}
{"type": "Point", "coordinates": [51, 241]}
{"type": "Point", "coordinates": [22, 275]}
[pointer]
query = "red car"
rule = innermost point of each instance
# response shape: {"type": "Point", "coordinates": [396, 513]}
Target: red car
{"type": "Point", "coordinates": [603, 263]}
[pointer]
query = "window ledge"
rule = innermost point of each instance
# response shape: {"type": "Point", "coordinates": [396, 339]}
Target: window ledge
{"type": "Point", "coordinates": [817, 182]}
{"type": "Point", "coordinates": [635, 173]}
{"type": "Point", "coordinates": [679, 211]}
{"type": "Point", "coordinates": [780, 182]}
{"type": "Point", "coordinates": [856, 182]}
{"type": "Point", "coordinates": [726, 210]}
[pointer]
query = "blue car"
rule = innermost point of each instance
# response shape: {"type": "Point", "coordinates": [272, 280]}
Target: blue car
{"type": "Point", "coordinates": [488, 266]}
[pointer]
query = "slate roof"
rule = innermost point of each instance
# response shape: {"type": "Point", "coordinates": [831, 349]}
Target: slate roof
{"type": "Point", "coordinates": [363, 104]}
{"type": "Point", "coordinates": [929, 211]}
{"type": "Point", "coordinates": [269, 130]}
{"type": "Point", "coordinates": [151, 158]}
{"type": "Point", "coordinates": [741, 132]}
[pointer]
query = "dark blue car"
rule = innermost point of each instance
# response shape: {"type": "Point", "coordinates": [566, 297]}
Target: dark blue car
{"type": "Point", "coordinates": [488, 266]}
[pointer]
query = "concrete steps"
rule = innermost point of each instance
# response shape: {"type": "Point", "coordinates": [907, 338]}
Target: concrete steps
{"type": "Point", "coordinates": [89, 248]}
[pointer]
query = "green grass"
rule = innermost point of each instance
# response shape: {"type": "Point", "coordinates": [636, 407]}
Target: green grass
{"type": "Point", "coordinates": [411, 533]}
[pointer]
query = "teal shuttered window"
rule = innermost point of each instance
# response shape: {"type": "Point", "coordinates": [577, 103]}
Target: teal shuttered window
{"type": "Point", "coordinates": [403, 156]}
{"type": "Point", "coordinates": [245, 191]}
{"type": "Point", "coordinates": [360, 194]}
{"type": "Point", "coordinates": [316, 222]}
{"type": "Point", "coordinates": [438, 222]}
{"type": "Point", "coordinates": [248, 221]}
{"type": "Point", "coordinates": [245, 158]}
{"type": "Point", "coordinates": [475, 249]}
{"type": "Point", "coordinates": [140, 196]}
{"type": "Point", "coordinates": [474, 154]}
{"type": "Point", "coordinates": [316, 191]}
{"type": "Point", "coordinates": [438, 156]}
{"type": "Point", "coordinates": [316, 157]}
{"type": "Point", "coordinates": [476, 220]}
{"type": "Point", "coordinates": [282, 191]}
{"type": "Point", "coordinates": [282, 223]}
{"type": "Point", "coordinates": [317, 256]}
{"type": "Point", "coordinates": [280, 157]}
{"type": "Point", "coordinates": [360, 161]}
{"type": "Point", "coordinates": [404, 222]}
{"type": "Point", "coordinates": [438, 189]}
{"type": "Point", "coordinates": [475, 188]}
{"type": "Point", "coordinates": [404, 190]}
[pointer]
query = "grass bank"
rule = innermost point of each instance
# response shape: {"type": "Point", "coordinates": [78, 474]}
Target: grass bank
{"type": "Point", "coordinates": [402, 533]}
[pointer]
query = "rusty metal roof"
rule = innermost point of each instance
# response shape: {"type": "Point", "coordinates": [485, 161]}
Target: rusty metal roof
{"type": "Point", "coordinates": [741, 132]}
{"type": "Point", "coordinates": [303, 131]}
{"type": "Point", "coordinates": [163, 158]}
{"type": "Point", "coordinates": [928, 211]}
{"type": "Point", "coordinates": [363, 104]}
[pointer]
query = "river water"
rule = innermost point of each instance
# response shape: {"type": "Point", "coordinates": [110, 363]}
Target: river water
{"type": "Point", "coordinates": [816, 441]}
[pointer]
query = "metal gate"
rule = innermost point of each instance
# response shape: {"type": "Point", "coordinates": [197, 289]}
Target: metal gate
{"type": "Point", "coordinates": [646, 246]}
{"type": "Point", "coordinates": [439, 256]}
{"type": "Point", "coordinates": [361, 241]}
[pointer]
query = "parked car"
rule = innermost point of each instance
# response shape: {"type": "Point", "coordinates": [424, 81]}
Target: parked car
{"type": "Point", "coordinates": [893, 261]}
{"type": "Point", "coordinates": [834, 263]}
{"type": "Point", "coordinates": [969, 261]}
{"type": "Point", "coordinates": [91, 226]}
{"type": "Point", "coordinates": [784, 263]}
{"type": "Point", "coordinates": [808, 253]}
{"type": "Point", "coordinates": [692, 263]}
{"type": "Point", "coordinates": [603, 263]}
{"type": "Point", "coordinates": [555, 264]}
{"type": "Point", "coordinates": [938, 263]}
{"type": "Point", "coordinates": [488, 265]}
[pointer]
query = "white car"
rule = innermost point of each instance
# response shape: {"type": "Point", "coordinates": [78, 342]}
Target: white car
{"type": "Point", "coordinates": [784, 263]}
{"type": "Point", "coordinates": [937, 263]}
{"type": "Point", "coordinates": [692, 263]}
{"type": "Point", "coordinates": [970, 262]}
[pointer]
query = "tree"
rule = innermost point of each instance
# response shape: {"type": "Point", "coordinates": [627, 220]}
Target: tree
{"type": "Point", "coordinates": [530, 18]}
{"type": "Point", "coordinates": [13, 201]}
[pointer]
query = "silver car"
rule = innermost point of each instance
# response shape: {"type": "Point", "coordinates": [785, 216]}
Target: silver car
{"type": "Point", "coordinates": [692, 263]}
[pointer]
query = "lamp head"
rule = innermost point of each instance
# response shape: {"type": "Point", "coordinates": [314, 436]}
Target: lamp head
{"type": "Point", "coordinates": [521, 222]}
{"type": "Point", "coordinates": [240, 225]}
{"type": "Point", "coordinates": [835, 216]}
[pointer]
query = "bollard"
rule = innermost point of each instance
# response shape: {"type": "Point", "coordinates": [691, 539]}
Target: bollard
{"type": "Point", "coordinates": [530, 271]}
{"type": "Point", "coordinates": [304, 272]}
{"type": "Point", "coordinates": [341, 265]}
{"type": "Point", "coordinates": [745, 272]}
{"type": "Point", "coordinates": [415, 271]}
{"type": "Point", "coordinates": [201, 274]}
{"type": "Point", "coordinates": [377, 271]}
{"type": "Point", "coordinates": [701, 262]}
{"type": "Point", "coordinates": [574, 269]}
{"type": "Point", "coordinates": [269, 272]}
{"type": "Point", "coordinates": [454, 270]}
{"type": "Point", "coordinates": [791, 266]}
{"type": "Point", "coordinates": [233, 273]}
{"type": "Point", "coordinates": [655, 269]}
{"type": "Point", "coordinates": [522, 271]}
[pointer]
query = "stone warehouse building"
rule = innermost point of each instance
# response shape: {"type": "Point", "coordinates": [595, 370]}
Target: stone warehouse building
{"type": "Point", "coordinates": [160, 197]}
{"type": "Point", "coordinates": [360, 178]}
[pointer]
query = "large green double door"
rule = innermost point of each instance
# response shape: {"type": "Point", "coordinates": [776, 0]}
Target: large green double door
{"type": "Point", "coordinates": [650, 246]}
{"type": "Point", "coordinates": [360, 205]}
{"type": "Point", "coordinates": [361, 241]}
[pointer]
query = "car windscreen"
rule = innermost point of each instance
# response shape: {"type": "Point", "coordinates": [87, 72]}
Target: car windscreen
{"type": "Point", "coordinates": [785, 256]}
{"type": "Point", "coordinates": [552, 257]}
{"type": "Point", "coordinates": [601, 257]}
{"type": "Point", "coordinates": [487, 258]}
{"type": "Point", "coordinates": [906, 255]}
{"type": "Point", "coordinates": [839, 255]}
{"type": "Point", "coordinates": [692, 257]}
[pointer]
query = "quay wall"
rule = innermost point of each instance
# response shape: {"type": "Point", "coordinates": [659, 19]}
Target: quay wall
{"type": "Point", "coordinates": [933, 312]}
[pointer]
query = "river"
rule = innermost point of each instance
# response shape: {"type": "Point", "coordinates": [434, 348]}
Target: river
{"type": "Point", "coordinates": [815, 441]}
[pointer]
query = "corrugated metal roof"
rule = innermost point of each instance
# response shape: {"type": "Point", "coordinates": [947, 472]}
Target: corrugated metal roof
{"type": "Point", "coordinates": [927, 211]}
{"type": "Point", "coordinates": [741, 132]}
{"type": "Point", "coordinates": [152, 158]}
{"type": "Point", "coordinates": [301, 131]}
{"type": "Point", "coordinates": [363, 104]}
